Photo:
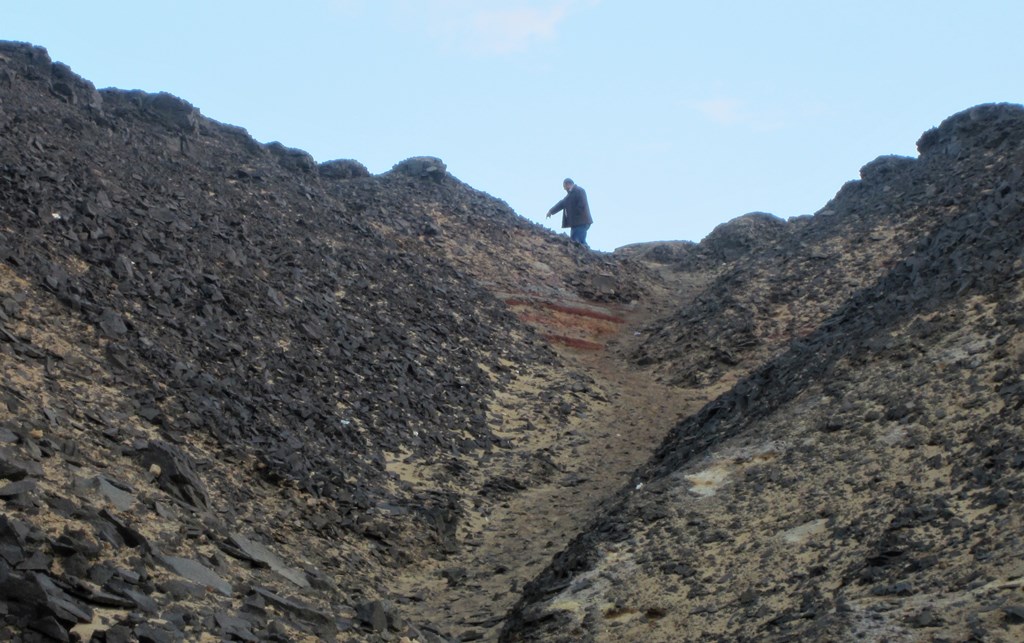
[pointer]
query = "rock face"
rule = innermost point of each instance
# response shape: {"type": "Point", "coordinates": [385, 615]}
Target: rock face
{"type": "Point", "coordinates": [866, 482]}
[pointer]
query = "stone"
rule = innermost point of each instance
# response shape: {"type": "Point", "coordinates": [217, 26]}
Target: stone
{"type": "Point", "coordinates": [294, 606]}
{"type": "Point", "coordinates": [182, 590]}
{"type": "Point", "coordinates": [1014, 613]}
{"type": "Point", "coordinates": [119, 634]}
{"type": "Point", "coordinates": [198, 573]}
{"type": "Point", "coordinates": [102, 598]}
{"type": "Point", "coordinates": [41, 592]}
{"type": "Point", "coordinates": [112, 324]}
{"type": "Point", "coordinates": [11, 468]}
{"type": "Point", "coordinates": [343, 169]}
{"type": "Point", "coordinates": [291, 158]}
{"type": "Point", "coordinates": [170, 111]}
{"type": "Point", "coordinates": [177, 474]}
{"type": "Point", "coordinates": [422, 167]}
{"type": "Point", "coordinates": [37, 561]}
{"type": "Point", "coordinates": [126, 534]}
{"type": "Point", "coordinates": [259, 553]}
{"type": "Point", "coordinates": [373, 614]}
{"type": "Point", "coordinates": [455, 576]}
{"type": "Point", "coordinates": [151, 633]}
{"type": "Point", "coordinates": [13, 489]}
{"type": "Point", "coordinates": [119, 494]}
{"type": "Point", "coordinates": [139, 600]}
{"type": "Point", "coordinates": [50, 627]}
{"type": "Point", "coordinates": [238, 629]}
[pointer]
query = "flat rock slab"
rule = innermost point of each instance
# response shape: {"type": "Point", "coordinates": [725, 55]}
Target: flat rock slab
{"type": "Point", "coordinates": [17, 488]}
{"type": "Point", "coordinates": [261, 554]}
{"type": "Point", "coordinates": [120, 498]}
{"type": "Point", "coordinates": [197, 573]}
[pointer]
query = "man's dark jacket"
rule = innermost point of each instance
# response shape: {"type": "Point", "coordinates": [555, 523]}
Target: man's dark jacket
{"type": "Point", "coordinates": [576, 209]}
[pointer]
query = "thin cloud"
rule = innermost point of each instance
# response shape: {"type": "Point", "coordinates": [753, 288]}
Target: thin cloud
{"type": "Point", "coordinates": [346, 7]}
{"type": "Point", "coordinates": [499, 26]}
{"type": "Point", "coordinates": [731, 112]}
{"type": "Point", "coordinates": [724, 111]}
{"type": "Point", "coordinates": [513, 30]}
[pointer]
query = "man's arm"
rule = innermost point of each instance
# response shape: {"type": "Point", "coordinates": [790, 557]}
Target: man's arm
{"type": "Point", "coordinates": [558, 207]}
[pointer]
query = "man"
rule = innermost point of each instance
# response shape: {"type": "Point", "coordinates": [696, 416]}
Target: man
{"type": "Point", "coordinates": [576, 215]}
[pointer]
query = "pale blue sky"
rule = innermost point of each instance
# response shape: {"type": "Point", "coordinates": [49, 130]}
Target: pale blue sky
{"type": "Point", "coordinates": [675, 116]}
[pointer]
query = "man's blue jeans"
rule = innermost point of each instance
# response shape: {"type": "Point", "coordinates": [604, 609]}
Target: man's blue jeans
{"type": "Point", "coordinates": [579, 233]}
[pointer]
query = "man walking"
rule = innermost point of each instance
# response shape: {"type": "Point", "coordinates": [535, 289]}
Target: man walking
{"type": "Point", "coordinates": [576, 212]}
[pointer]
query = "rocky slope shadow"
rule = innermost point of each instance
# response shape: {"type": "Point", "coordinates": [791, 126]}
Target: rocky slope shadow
{"type": "Point", "coordinates": [216, 353]}
{"type": "Point", "coordinates": [866, 483]}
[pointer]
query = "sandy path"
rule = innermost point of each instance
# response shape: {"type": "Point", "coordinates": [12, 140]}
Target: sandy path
{"type": "Point", "coordinates": [507, 543]}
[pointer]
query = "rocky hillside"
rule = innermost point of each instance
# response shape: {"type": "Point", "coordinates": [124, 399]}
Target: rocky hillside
{"type": "Point", "coordinates": [249, 396]}
{"type": "Point", "coordinates": [216, 352]}
{"type": "Point", "coordinates": [867, 482]}
{"type": "Point", "coordinates": [759, 281]}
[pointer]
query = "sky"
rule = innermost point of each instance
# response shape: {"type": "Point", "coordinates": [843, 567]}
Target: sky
{"type": "Point", "coordinates": [675, 116]}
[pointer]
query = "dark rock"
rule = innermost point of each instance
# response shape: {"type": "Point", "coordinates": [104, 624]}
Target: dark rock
{"type": "Point", "coordinates": [119, 634]}
{"type": "Point", "coordinates": [927, 618]}
{"type": "Point", "coordinates": [182, 590]}
{"type": "Point", "coordinates": [295, 607]}
{"type": "Point", "coordinates": [13, 489]}
{"type": "Point", "coordinates": [743, 235]}
{"type": "Point", "coordinates": [237, 629]}
{"type": "Point", "coordinates": [41, 593]}
{"type": "Point", "coordinates": [112, 324]}
{"type": "Point", "coordinates": [422, 167]}
{"type": "Point", "coordinates": [101, 598]}
{"type": "Point", "coordinates": [37, 562]}
{"type": "Point", "coordinates": [151, 633]}
{"type": "Point", "coordinates": [196, 572]}
{"type": "Point", "coordinates": [885, 168]}
{"type": "Point", "coordinates": [171, 112]}
{"type": "Point", "coordinates": [291, 158]}
{"type": "Point", "coordinates": [258, 553]}
{"type": "Point", "coordinates": [127, 534]}
{"type": "Point", "coordinates": [343, 169]}
{"type": "Point", "coordinates": [375, 615]}
{"type": "Point", "coordinates": [76, 565]}
{"type": "Point", "coordinates": [13, 533]}
{"type": "Point", "coordinates": [137, 598]}
{"type": "Point", "coordinates": [11, 468]}
{"type": "Point", "coordinates": [177, 475]}
{"type": "Point", "coordinates": [1014, 613]}
{"type": "Point", "coordinates": [119, 494]}
{"type": "Point", "coordinates": [455, 576]}
{"type": "Point", "coordinates": [50, 627]}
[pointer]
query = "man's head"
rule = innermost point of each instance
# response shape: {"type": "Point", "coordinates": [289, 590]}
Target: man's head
{"type": "Point", "coordinates": [567, 184]}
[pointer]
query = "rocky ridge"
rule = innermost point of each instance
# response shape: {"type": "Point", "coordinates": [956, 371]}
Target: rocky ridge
{"type": "Point", "coordinates": [867, 482]}
{"type": "Point", "coordinates": [759, 281]}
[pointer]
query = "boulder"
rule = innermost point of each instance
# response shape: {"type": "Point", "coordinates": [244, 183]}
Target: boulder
{"type": "Point", "coordinates": [343, 169]}
{"type": "Point", "coordinates": [422, 167]}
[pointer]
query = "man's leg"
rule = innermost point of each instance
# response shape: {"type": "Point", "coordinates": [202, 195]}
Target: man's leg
{"type": "Point", "coordinates": [579, 233]}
